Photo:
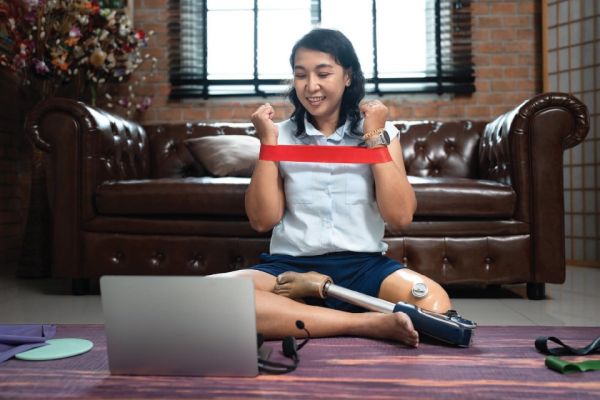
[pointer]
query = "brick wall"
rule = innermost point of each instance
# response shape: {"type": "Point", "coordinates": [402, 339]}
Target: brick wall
{"type": "Point", "coordinates": [506, 48]}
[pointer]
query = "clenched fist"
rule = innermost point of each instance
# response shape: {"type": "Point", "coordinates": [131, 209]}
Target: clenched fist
{"type": "Point", "coordinates": [262, 119]}
{"type": "Point", "coordinates": [375, 113]}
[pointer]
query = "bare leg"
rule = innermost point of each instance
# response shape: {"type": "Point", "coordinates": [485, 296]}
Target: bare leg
{"type": "Point", "coordinates": [398, 287]}
{"type": "Point", "coordinates": [276, 316]}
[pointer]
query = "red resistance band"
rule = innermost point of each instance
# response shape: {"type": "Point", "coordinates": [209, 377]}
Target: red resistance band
{"type": "Point", "coordinates": [325, 154]}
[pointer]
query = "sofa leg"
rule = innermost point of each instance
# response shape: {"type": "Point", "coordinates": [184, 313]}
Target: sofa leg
{"type": "Point", "coordinates": [80, 287]}
{"type": "Point", "coordinates": [536, 291]}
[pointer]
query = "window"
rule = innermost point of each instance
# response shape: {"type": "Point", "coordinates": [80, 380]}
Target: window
{"type": "Point", "coordinates": [241, 47]}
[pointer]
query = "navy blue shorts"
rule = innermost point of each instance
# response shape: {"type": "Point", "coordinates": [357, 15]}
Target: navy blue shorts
{"type": "Point", "coordinates": [361, 272]}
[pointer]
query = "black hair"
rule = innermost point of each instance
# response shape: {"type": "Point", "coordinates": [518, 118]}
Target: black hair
{"type": "Point", "coordinates": [340, 48]}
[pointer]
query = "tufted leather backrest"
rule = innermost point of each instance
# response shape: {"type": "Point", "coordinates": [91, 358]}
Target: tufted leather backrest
{"type": "Point", "coordinates": [430, 148]}
{"type": "Point", "coordinates": [441, 149]}
{"type": "Point", "coordinates": [169, 156]}
{"type": "Point", "coordinates": [117, 148]}
{"type": "Point", "coordinates": [494, 149]}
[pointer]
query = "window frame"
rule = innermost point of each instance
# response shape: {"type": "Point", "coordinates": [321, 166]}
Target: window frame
{"type": "Point", "coordinates": [460, 80]}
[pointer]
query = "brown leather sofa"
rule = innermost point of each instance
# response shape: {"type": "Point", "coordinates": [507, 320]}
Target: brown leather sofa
{"type": "Point", "coordinates": [128, 199]}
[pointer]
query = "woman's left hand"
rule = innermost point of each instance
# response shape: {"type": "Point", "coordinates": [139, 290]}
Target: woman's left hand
{"type": "Point", "coordinates": [375, 113]}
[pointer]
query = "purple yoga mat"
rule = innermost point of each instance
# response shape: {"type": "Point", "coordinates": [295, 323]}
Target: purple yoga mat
{"type": "Point", "coordinates": [16, 339]}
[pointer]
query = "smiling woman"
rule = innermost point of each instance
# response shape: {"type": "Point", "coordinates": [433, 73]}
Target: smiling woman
{"type": "Point", "coordinates": [329, 218]}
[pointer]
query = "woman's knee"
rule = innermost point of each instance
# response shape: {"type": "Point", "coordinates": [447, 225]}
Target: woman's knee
{"type": "Point", "coordinates": [411, 287]}
{"type": "Point", "coordinates": [436, 299]}
{"type": "Point", "coordinates": [262, 280]}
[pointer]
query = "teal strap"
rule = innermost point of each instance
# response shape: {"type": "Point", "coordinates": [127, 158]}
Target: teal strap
{"type": "Point", "coordinates": [566, 367]}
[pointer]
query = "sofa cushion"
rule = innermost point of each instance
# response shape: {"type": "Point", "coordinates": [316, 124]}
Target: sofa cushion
{"type": "Point", "coordinates": [173, 196]}
{"type": "Point", "coordinates": [436, 197]}
{"type": "Point", "coordinates": [462, 197]}
{"type": "Point", "coordinates": [226, 155]}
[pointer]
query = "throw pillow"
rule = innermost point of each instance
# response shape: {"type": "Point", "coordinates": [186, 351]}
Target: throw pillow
{"type": "Point", "coordinates": [226, 155]}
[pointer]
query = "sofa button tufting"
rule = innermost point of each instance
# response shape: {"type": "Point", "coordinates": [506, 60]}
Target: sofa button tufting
{"type": "Point", "coordinates": [156, 259]}
{"type": "Point", "coordinates": [196, 263]}
{"type": "Point", "coordinates": [116, 257]}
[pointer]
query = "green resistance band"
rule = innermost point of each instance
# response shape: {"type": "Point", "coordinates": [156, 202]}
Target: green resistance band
{"type": "Point", "coordinates": [565, 367]}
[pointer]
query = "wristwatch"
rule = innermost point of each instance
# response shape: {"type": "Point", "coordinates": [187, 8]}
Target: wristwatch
{"type": "Point", "coordinates": [382, 139]}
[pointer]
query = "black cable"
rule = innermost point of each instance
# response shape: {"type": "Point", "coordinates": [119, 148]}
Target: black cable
{"type": "Point", "coordinates": [290, 350]}
{"type": "Point", "coordinates": [300, 325]}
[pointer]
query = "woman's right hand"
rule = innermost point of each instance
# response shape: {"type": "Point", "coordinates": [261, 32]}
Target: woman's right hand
{"type": "Point", "coordinates": [262, 119]}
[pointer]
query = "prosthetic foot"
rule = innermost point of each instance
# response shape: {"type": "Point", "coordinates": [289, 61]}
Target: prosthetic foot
{"type": "Point", "coordinates": [297, 285]}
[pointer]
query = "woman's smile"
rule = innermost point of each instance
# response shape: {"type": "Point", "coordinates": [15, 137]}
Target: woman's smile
{"type": "Point", "coordinates": [315, 101]}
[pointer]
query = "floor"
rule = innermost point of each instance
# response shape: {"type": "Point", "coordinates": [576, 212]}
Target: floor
{"type": "Point", "coordinates": [574, 303]}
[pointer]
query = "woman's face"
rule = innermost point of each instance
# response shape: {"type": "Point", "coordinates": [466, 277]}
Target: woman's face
{"type": "Point", "coordinates": [319, 82]}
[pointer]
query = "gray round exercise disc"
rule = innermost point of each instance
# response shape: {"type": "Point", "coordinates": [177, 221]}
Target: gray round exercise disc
{"type": "Point", "coordinates": [56, 349]}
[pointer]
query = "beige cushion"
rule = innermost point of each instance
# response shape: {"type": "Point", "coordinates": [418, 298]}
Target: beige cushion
{"type": "Point", "coordinates": [226, 155]}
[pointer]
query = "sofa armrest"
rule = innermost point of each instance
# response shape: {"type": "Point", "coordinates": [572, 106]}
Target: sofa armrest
{"type": "Point", "coordinates": [524, 148]}
{"type": "Point", "coordinates": [84, 147]}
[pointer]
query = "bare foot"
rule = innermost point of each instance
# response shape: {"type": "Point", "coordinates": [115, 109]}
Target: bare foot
{"type": "Point", "coordinates": [395, 326]}
{"type": "Point", "coordinates": [297, 285]}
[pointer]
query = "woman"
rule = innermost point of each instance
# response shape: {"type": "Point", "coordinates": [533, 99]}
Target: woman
{"type": "Point", "coordinates": [329, 218]}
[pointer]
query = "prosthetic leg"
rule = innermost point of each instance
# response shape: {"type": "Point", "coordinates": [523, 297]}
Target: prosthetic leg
{"type": "Point", "coordinates": [449, 327]}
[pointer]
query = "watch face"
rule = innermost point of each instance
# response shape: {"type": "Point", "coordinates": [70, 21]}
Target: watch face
{"type": "Point", "coordinates": [382, 138]}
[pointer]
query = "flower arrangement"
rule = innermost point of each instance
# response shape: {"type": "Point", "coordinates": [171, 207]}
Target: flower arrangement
{"type": "Point", "coordinates": [82, 42]}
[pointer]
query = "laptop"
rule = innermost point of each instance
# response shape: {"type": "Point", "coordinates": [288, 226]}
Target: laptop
{"type": "Point", "coordinates": [180, 325]}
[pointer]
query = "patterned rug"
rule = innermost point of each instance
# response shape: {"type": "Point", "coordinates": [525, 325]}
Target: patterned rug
{"type": "Point", "coordinates": [501, 364]}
